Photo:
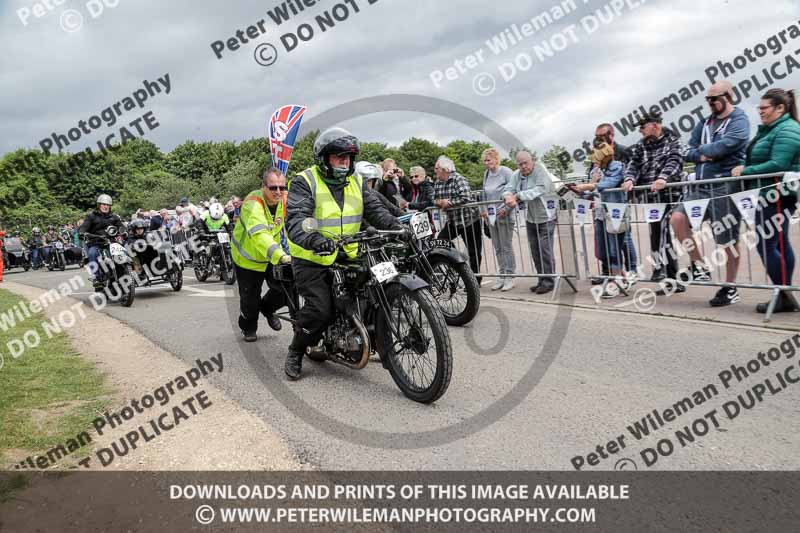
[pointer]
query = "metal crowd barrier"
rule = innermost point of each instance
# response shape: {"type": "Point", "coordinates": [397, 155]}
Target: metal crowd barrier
{"type": "Point", "coordinates": [642, 252]}
{"type": "Point", "coordinates": [553, 262]}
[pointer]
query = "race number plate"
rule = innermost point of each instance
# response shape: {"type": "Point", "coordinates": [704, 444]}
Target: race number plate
{"type": "Point", "coordinates": [421, 226]}
{"type": "Point", "coordinates": [117, 249]}
{"type": "Point", "coordinates": [223, 237]}
{"type": "Point", "coordinates": [440, 243]}
{"type": "Point", "coordinates": [59, 246]}
{"type": "Point", "coordinates": [384, 271]}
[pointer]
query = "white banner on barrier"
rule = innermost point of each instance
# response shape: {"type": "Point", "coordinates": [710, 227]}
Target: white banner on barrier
{"type": "Point", "coordinates": [746, 202]}
{"type": "Point", "coordinates": [581, 210]}
{"type": "Point", "coordinates": [616, 212]}
{"type": "Point", "coordinates": [551, 205]}
{"type": "Point", "coordinates": [439, 220]}
{"type": "Point", "coordinates": [792, 181]}
{"type": "Point", "coordinates": [696, 210]}
{"type": "Point", "coordinates": [653, 213]}
{"type": "Point", "coordinates": [491, 212]}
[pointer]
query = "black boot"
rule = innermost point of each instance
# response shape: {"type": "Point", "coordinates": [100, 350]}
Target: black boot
{"type": "Point", "coordinates": [659, 274]}
{"type": "Point", "coordinates": [294, 364]}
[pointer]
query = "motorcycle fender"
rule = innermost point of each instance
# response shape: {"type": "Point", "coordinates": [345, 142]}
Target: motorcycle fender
{"type": "Point", "coordinates": [451, 255]}
{"type": "Point", "coordinates": [409, 281]}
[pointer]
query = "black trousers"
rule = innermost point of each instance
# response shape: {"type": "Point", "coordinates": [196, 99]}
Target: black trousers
{"type": "Point", "coordinates": [251, 302]}
{"type": "Point", "coordinates": [661, 245]}
{"type": "Point", "coordinates": [473, 239]}
{"type": "Point", "coordinates": [313, 283]}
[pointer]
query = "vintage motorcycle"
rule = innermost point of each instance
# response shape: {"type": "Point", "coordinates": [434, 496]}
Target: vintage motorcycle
{"type": "Point", "coordinates": [446, 270]}
{"type": "Point", "coordinates": [56, 259]}
{"type": "Point", "coordinates": [380, 310]}
{"type": "Point", "coordinates": [213, 256]}
{"type": "Point", "coordinates": [115, 270]}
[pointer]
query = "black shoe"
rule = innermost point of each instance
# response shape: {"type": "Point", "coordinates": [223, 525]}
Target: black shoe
{"type": "Point", "coordinates": [677, 289]}
{"type": "Point", "coordinates": [725, 296]}
{"type": "Point", "coordinates": [250, 336]}
{"type": "Point", "coordinates": [535, 287]}
{"type": "Point", "coordinates": [785, 304]}
{"type": "Point", "coordinates": [597, 281]}
{"type": "Point", "coordinates": [294, 365]}
{"type": "Point", "coordinates": [274, 322]}
{"type": "Point", "coordinates": [700, 272]}
{"type": "Point", "coordinates": [545, 288]}
{"type": "Point", "coordinates": [659, 274]}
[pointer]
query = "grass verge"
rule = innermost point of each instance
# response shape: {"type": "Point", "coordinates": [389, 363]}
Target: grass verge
{"type": "Point", "coordinates": [48, 394]}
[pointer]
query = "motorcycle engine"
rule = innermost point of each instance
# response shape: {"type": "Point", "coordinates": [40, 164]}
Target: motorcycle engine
{"type": "Point", "coordinates": [348, 342]}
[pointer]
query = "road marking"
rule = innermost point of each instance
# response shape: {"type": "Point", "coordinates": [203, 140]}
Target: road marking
{"type": "Point", "coordinates": [209, 294]}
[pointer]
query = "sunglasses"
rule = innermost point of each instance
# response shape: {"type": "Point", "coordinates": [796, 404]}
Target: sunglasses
{"type": "Point", "coordinates": [276, 188]}
{"type": "Point", "coordinates": [712, 99]}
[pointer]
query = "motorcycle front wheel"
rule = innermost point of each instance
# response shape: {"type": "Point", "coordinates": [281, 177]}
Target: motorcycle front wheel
{"type": "Point", "coordinates": [456, 289]}
{"type": "Point", "coordinates": [420, 360]}
{"type": "Point", "coordinates": [176, 280]}
{"type": "Point", "coordinates": [202, 268]}
{"type": "Point", "coordinates": [227, 272]}
{"type": "Point", "coordinates": [129, 291]}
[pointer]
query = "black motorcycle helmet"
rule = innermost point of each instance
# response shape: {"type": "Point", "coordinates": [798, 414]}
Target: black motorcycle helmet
{"type": "Point", "coordinates": [139, 224]}
{"type": "Point", "coordinates": [335, 141]}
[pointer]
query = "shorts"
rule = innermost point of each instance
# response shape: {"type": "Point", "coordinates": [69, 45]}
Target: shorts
{"type": "Point", "coordinates": [725, 218]}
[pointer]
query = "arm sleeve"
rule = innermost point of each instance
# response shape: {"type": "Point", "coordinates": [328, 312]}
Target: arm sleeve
{"type": "Point", "coordinates": [512, 185]}
{"type": "Point", "coordinates": [693, 154]}
{"type": "Point", "coordinates": [462, 192]}
{"type": "Point", "coordinates": [540, 175]}
{"type": "Point", "coordinates": [87, 222]}
{"type": "Point", "coordinates": [375, 212]}
{"type": "Point", "coordinates": [674, 160]}
{"type": "Point", "coordinates": [611, 178]}
{"type": "Point", "coordinates": [299, 206]}
{"type": "Point", "coordinates": [634, 165]}
{"type": "Point", "coordinates": [735, 138]}
{"type": "Point", "coordinates": [783, 153]}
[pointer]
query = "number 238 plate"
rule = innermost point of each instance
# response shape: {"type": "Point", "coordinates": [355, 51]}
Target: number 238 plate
{"type": "Point", "coordinates": [384, 271]}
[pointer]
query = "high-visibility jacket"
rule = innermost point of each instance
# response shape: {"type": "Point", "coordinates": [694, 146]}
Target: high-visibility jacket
{"type": "Point", "coordinates": [332, 220]}
{"type": "Point", "coordinates": [214, 225]}
{"type": "Point", "coordinates": [257, 236]}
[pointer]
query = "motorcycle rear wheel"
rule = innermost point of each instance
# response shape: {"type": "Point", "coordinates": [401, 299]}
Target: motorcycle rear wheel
{"type": "Point", "coordinates": [422, 328]}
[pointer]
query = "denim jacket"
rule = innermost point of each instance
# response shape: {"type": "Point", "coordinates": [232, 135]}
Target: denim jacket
{"type": "Point", "coordinates": [612, 178]}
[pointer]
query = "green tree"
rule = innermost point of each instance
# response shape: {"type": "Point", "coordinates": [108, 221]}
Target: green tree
{"type": "Point", "coordinates": [558, 161]}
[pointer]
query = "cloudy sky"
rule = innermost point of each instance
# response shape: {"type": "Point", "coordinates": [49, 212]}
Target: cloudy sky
{"type": "Point", "coordinates": [53, 78]}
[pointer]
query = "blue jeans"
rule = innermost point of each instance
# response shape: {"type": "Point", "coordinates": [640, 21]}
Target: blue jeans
{"type": "Point", "coordinates": [93, 252]}
{"type": "Point", "coordinates": [36, 260]}
{"type": "Point", "coordinates": [773, 238]}
{"type": "Point", "coordinates": [614, 250]}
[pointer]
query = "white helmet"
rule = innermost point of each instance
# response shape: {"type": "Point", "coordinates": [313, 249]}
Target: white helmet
{"type": "Point", "coordinates": [104, 199]}
{"type": "Point", "coordinates": [215, 211]}
{"type": "Point", "coordinates": [368, 171]}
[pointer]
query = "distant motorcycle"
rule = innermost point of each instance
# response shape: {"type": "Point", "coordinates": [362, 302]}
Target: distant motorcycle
{"type": "Point", "coordinates": [166, 267]}
{"type": "Point", "coordinates": [56, 259]}
{"type": "Point", "coordinates": [213, 256]}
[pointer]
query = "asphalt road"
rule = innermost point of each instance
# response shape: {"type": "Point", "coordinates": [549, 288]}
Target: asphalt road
{"type": "Point", "coordinates": [561, 382]}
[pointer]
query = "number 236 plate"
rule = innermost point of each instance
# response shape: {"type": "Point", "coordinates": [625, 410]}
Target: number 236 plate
{"type": "Point", "coordinates": [384, 271]}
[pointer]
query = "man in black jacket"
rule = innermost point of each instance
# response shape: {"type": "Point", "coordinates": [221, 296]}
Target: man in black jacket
{"type": "Point", "coordinates": [654, 160]}
{"type": "Point", "coordinates": [96, 224]}
{"type": "Point", "coordinates": [330, 193]}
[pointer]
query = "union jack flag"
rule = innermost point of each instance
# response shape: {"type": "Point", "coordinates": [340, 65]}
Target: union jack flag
{"type": "Point", "coordinates": [283, 128]}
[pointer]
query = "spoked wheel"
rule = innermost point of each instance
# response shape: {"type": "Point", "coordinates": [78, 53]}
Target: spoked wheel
{"type": "Point", "coordinates": [202, 269]}
{"type": "Point", "coordinates": [176, 280]}
{"type": "Point", "coordinates": [420, 360]}
{"type": "Point", "coordinates": [129, 290]}
{"type": "Point", "coordinates": [456, 290]}
{"type": "Point", "coordinates": [227, 272]}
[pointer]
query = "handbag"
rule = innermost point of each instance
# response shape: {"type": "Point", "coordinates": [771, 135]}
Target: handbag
{"type": "Point", "coordinates": [624, 224]}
